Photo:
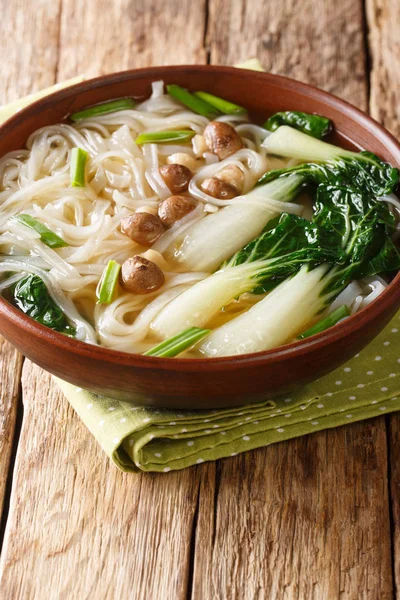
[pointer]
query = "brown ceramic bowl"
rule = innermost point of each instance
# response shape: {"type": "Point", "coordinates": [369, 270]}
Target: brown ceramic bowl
{"type": "Point", "coordinates": [200, 383]}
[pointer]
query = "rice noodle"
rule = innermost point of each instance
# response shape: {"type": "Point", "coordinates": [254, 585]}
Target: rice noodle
{"type": "Point", "coordinates": [121, 177]}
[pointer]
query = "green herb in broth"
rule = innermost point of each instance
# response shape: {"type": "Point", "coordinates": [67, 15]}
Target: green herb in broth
{"type": "Point", "coordinates": [196, 104]}
{"type": "Point", "coordinates": [77, 167]}
{"type": "Point", "coordinates": [178, 343]}
{"type": "Point", "coordinates": [313, 125]}
{"type": "Point", "coordinates": [223, 106]}
{"type": "Point", "coordinates": [108, 282]}
{"type": "Point", "coordinates": [47, 236]}
{"type": "Point", "coordinates": [165, 137]}
{"type": "Point", "coordinates": [340, 313]}
{"type": "Point", "coordinates": [103, 109]}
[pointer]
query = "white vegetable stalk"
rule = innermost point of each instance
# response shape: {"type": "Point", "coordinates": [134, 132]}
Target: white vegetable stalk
{"type": "Point", "coordinates": [289, 142]}
{"type": "Point", "coordinates": [276, 319]}
{"type": "Point", "coordinates": [197, 305]}
{"type": "Point", "coordinates": [218, 236]}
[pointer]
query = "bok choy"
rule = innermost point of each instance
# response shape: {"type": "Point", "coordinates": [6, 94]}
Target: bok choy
{"type": "Point", "coordinates": [288, 244]}
{"type": "Point", "coordinates": [30, 295]}
{"type": "Point", "coordinates": [314, 125]}
{"type": "Point", "coordinates": [334, 165]}
{"type": "Point", "coordinates": [362, 228]}
{"type": "Point", "coordinates": [216, 237]}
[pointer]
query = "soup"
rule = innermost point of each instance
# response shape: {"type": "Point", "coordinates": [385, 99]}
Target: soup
{"type": "Point", "coordinates": [177, 226]}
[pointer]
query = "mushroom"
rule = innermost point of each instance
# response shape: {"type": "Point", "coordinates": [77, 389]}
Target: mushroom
{"type": "Point", "coordinates": [176, 177]}
{"type": "Point", "coordinates": [233, 175]}
{"type": "Point", "coordinates": [141, 276]}
{"type": "Point", "coordinates": [222, 139]}
{"type": "Point", "coordinates": [142, 227]}
{"type": "Point", "coordinates": [175, 208]}
{"type": "Point", "coordinates": [184, 159]}
{"type": "Point", "coordinates": [218, 189]}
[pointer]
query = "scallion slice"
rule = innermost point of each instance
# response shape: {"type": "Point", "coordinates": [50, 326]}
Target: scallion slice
{"type": "Point", "coordinates": [107, 284]}
{"type": "Point", "coordinates": [77, 167]}
{"type": "Point", "coordinates": [224, 106]}
{"type": "Point", "coordinates": [196, 104]}
{"type": "Point", "coordinates": [337, 315]}
{"type": "Point", "coordinates": [103, 109]}
{"type": "Point", "coordinates": [48, 237]}
{"type": "Point", "coordinates": [164, 137]}
{"type": "Point", "coordinates": [178, 343]}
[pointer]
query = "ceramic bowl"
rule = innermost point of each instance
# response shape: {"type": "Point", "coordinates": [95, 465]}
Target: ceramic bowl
{"type": "Point", "coordinates": [222, 382]}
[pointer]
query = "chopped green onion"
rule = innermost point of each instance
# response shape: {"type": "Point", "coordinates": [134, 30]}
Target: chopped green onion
{"type": "Point", "coordinates": [52, 240]}
{"type": "Point", "coordinates": [224, 106]}
{"type": "Point", "coordinates": [109, 279]}
{"type": "Point", "coordinates": [103, 109]}
{"type": "Point", "coordinates": [77, 167]}
{"type": "Point", "coordinates": [196, 104]}
{"type": "Point", "coordinates": [337, 315]}
{"type": "Point", "coordinates": [164, 137]}
{"type": "Point", "coordinates": [178, 343]}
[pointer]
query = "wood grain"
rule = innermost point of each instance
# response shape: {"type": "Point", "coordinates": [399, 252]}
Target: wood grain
{"type": "Point", "coordinates": [128, 34]}
{"type": "Point", "coordinates": [320, 42]}
{"type": "Point", "coordinates": [79, 528]}
{"type": "Point", "coordinates": [10, 373]}
{"type": "Point", "coordinates": [28, 45]}
{"type": "Point", "coordinates": [383, 23]}
{"type": "Point", "coordinates": [308, 518]}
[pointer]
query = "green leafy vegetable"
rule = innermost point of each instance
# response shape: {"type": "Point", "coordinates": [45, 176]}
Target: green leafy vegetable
{"type": "Point", "coordinates": [77, 167]}
{"type": "Point", "coordinates": [178, 343]}
{"type": "Point", "coordinates": [46, 235]}
{"type": "Point", "coordinates": [359, 226]}
{"type": "Point", "coordinates": [195, 103]}
{"type": "Point", "coordinates": [223, 106]}
{"type": "Point", "coordinates": [30, 295]}
{"type": "Point", "coordinates": [279, 252]}
{"type": "Point", "coordinates": [103, 109]}
{"type": "Point", "coordinates": [337, 315]}
{"type": "Point", "coordinates": [313, 125]}
{"type": "Point", "coordinates": [362, 170]}
{"type": "Point", "coordinates": [165, 137]}
{"type": "Point", "coordinates": [108, 282]}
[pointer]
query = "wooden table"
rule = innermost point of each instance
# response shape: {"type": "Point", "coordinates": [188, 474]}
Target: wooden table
{"type": "Point", "coordinates": [315, 518]}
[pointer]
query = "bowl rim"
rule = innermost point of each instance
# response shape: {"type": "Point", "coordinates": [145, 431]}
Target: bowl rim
{"type": "Point", "coordinates": [389, 297]}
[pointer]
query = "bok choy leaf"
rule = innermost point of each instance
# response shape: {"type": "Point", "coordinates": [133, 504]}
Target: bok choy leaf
{"type": "Point", "coordinates": [313, 125]}
{"type": "Point", "coordinates": [30, 295]}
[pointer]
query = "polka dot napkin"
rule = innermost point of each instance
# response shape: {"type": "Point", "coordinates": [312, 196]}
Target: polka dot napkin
{"type": "Point", "coordinates": [138, 438]}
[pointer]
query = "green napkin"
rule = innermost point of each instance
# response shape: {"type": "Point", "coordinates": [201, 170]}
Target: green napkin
{"type": "Point", "coordinates": [146, 439]}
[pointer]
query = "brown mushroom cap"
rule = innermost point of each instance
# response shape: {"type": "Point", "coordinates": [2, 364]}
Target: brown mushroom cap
{"type": "Point", "coordinates": [175, 208]}
{"type": "Point", "coordinates": [222, 139]}
{"type": "Point", "coordinates": [141, 276]}
{"type": "Point", "coordinates": [142, 227]}
{"type": "Point", "coordinates": [176, 177]}
{"type": "Point", "coordinates": [219, 189]}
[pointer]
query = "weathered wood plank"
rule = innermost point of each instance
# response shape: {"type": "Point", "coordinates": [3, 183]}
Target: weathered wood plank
{"type": "Point", "coordinates": [28, 45]}
{"type": "Point", "coordinates": [383, 22]}
{"type": "Point", "coordinates": [10, 372]}
{"type": "Point", "coordinates": [308, 518]}
{"type": "Point", "coordinates": [80, 528]}
{"type": "Point", "coordinates": [384, 44]}
{"type": "Point", "coordinates": [317, 42]}
{"type": "Point", "coordinates": [125, 34]}
{"type": "Point", "coordinates": [77, 526]}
